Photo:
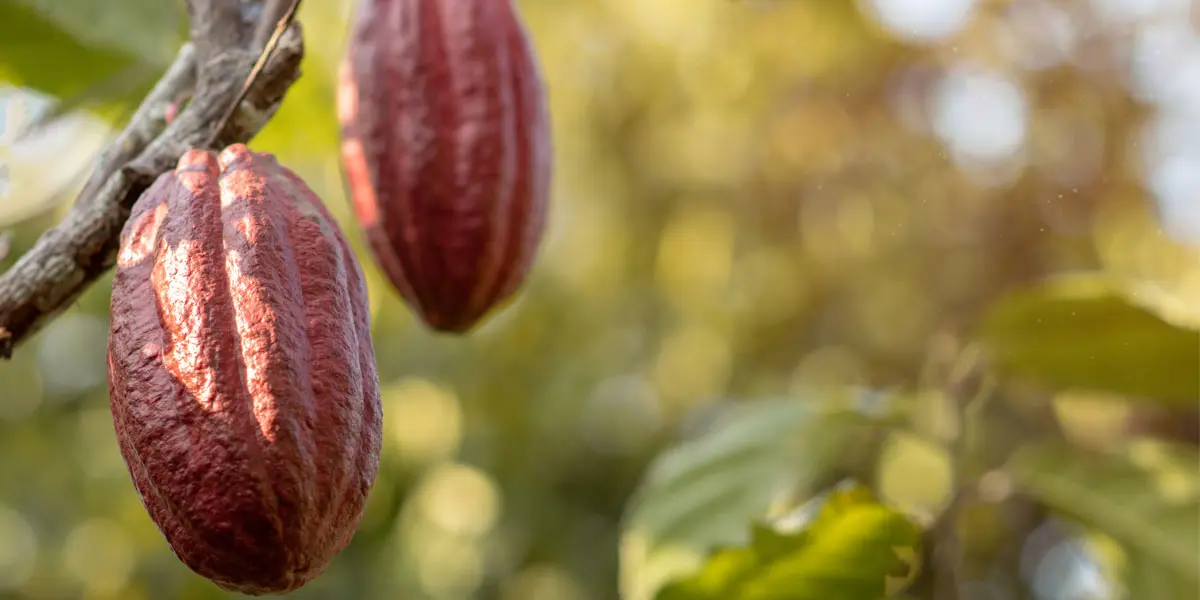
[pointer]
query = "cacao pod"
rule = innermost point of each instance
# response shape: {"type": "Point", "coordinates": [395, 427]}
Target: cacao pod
{"type": "Point", "coordinates": [242, 377]}
{"type": "Point", "coordinates": [446, 151]}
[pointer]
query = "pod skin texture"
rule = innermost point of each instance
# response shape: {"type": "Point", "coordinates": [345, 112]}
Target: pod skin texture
{"type": "Point", "coordinates": [242, 377]}
{"type": "Point", "coordinates": [446, 151]}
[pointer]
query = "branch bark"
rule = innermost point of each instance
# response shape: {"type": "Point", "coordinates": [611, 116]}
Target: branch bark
{"type": "Point", "coordinates": [215, 67]}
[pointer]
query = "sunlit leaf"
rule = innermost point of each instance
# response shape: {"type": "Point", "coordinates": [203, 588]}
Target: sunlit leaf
{"type": "Point", "coordinates": [703, 493]}
{"type": "Point", "coordinates": [1082, 332]}
{"type": "Point", "coordinates": [854, 548]}
{"type": "Point", "coordinates": [1157, 270]}
{"type": "Point", "coordinates": [1147, 498]}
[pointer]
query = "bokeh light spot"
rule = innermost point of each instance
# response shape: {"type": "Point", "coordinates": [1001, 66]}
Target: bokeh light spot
{"type": "Point", "coordinates": [695, 255]}
{"type": "Point", "coordinates": [621, 416]}
{"type": "Point", "coordinates": [921, 21]}
{"type": "Point", "coordinates": [459, 499]}
{"type": "Point", "coordinates": [544, 582]}
{"type": "Point", "coordinates": [72, 354]}
{"type": "Point", "coordinates": [692, 366]}
{"type": "Point", "coordinates": [100, 555]}
{"type": "Point", "coordinates": [18, 548]}
{"type": "Point", "coordinates": [429, 425]}
{"type": "Point", "coordinates": [915, 475]}
{"type": "Point", "coordinates": [980, 115]}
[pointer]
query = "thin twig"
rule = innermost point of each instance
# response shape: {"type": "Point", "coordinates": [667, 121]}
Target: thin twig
{"type": "Point", "coordinates": [268, 48]}
{"type": "Point", "coordinates": [274, 12]}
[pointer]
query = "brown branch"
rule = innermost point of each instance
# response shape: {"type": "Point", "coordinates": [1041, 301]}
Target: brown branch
{"type": "Point", "coordinates": [217, 26]}
{"type": "Point", "coordinates": [282, 22]}
{"type": "Point", "coordinates": [216, 63]}
{"type": "Point", "coordinates": [276, 15]}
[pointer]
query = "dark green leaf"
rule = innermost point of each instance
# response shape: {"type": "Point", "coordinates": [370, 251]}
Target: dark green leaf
{"type": "Point", "coordinates": [1081, 332]}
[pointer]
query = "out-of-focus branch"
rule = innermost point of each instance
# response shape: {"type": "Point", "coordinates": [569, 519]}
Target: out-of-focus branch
{"type": "Point", "coordinates": [274, 14]}
{"type": "Point", "coordinates": [967, 389]}
{"type": "Point", "coordinates": [215, 67]}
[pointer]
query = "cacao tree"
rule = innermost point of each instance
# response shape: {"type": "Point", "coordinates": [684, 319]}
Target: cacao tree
{"type": "Point", "coordinates": [599, 299]}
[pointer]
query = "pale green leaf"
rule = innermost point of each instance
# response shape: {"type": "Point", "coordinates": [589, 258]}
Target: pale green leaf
{"type": "Point", "coordinates": [1147, 498]}
{"type": "Point", "coordinates": [1081, 332]}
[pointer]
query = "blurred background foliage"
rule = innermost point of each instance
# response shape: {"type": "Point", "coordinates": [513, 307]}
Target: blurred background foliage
{"type": "Point", "coordinates": [838, 300]}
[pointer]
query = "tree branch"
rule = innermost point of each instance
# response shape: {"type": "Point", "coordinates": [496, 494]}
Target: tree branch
{"type": "Point", "coordinates": [274, 14]}
{"type": "Point", "coordinates": [219, 65]}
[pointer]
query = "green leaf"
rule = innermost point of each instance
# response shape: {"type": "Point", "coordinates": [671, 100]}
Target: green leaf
{"type": "Point", "coordinates": [149, 29]}
{"type": "Point", "coordinates": [1147, 498]}
{"type": "Point", "coordinates": [1145, 578]}
{"type": "Point", "coordinates": [1158, 271]}
{"type": "Point", "coordinates": [1082, 332]}
{"type": "Point", "coordinates": [102, 54]}
{"type": "Point", "coordinates": [702, 493]}
{"type": "Point", "coordinates": [854, 549]}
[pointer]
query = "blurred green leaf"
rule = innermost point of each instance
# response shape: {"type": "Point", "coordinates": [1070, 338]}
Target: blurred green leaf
{"type": "Point", "coordinates": [102, 54]}
{"type": "Point", "coordinates": [1081, 332]}
{"type": "Point", "coordinates": [855, 548]}
{"type": "Point", "coordinates": [1147, 578]}
{"type": "Point", "coordinates": [702, 493]}
{"type": "Point", "coordinates": [1176, 304]}
{"type": "Point", "coordinates": [148, 29]}
{"type": "Point", "coordinates": [1147, 499]}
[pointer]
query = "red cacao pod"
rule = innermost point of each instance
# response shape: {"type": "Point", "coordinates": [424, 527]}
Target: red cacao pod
{"type": "Point", "coordinates": [242, 377]}
{"type": "Point", "coordinates": [446, 151]}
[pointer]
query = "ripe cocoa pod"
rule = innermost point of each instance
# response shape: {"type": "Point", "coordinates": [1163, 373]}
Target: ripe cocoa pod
{"type": "Point", "coordinates": [446, 151]}
{"type": "Point", "coordinates": [242, 377]}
